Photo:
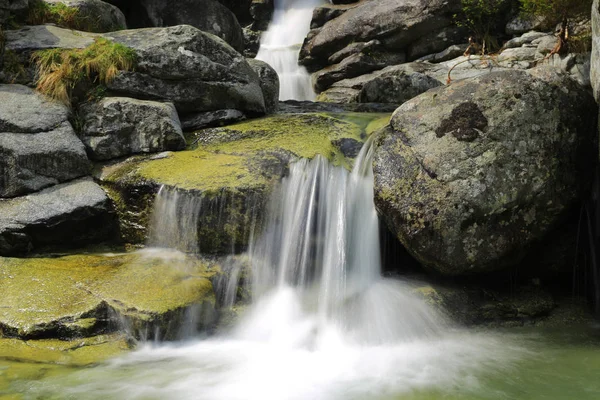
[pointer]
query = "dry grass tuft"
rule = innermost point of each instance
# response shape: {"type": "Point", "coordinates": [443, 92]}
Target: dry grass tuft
{"type": "Point", "coordinates": [60, 71]}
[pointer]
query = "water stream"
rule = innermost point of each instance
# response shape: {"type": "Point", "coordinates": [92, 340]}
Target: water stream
{"type": "Point", "coordinates": [324, 324]}
{"type": "Point", "coordinates": [280, 45]}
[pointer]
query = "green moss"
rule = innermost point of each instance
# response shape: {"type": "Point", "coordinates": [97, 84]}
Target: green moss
{"type": "Point", "coordinates": [62, 296]}
{"type": "Point", "coordinates": [231, 158]}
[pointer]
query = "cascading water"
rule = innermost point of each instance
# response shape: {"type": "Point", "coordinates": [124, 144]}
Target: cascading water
{"type": "Point", "coordinates": [280, 44]}
{"type": "Point", "coordinates": [323, 325]}
{"type": "Point", "coordinates": [319, 259]}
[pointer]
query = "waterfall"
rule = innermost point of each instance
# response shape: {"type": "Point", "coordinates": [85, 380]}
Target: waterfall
{"type": "Point", "coordinates": [317, 264]}
{"type": "Point", "coordinates": [280, 44]}
{"type": "Point", "coordinates": [323, 323]}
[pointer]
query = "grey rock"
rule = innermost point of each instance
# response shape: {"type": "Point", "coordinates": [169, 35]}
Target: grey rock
{"type": "Point", "coordinates": [41, 37]}
{"type": "Point", "coordinates": [470, 175]}
{"type": "Point", "coordinates": [23, 110]}
{"type": "Point", "coordinates": [206, 15]}
{"type": "Point", "coordinates": [396, 24]}
{"type": "Point", "coordinates": [251, 42]}
{"type": "Point", "coordinates": [524, 39]}
{"type": "Point", "coordinates": [352, 49]}
{"type": "Point", "coordinates": [193, 69]}
{"type": "Point", "coordinates": [451, 52]}
{"type": "Point", "coordinates": [595, 59]}
{"type": "Point", "coordinates": [119, 126]}
{"type": "Point", "coordinates": [520, 25]}
{"type": "Point", "coordinates": [325, 13]}
{"type": "Point", "coordinates": [355, 65]}
{"type": "Point", "coordinates": [211, 119]}
{"type": "Point", "coordinates": [261, 12]}
{"type": "Point", "coordinates": [98, 15]}
{"type": "Point", "coordinates": [269, 83]}
{"type": "Point", "coordinates": [33, 161]}
{"type": "Point", "coordinates": [62, 216]}
{"type": "Point", "coordinates": [436, 41]}
{"type": "Point", "coordinates": [38, 147]}
{"type": "Point", "coordinates": [396, 88]}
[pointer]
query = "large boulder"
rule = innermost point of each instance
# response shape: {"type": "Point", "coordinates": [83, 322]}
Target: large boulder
{"type": "Point", "coordinates": [38, 147]}
{"type": "Point", "coordinates": [468, 176]}
{"type": "Point", "coordinates": [396, 24]}
{"type": "Point", "coordinates": [207, 15]}
{"type": "Point", "coordinates": [119, 126]}
{"type": "Point", "coordinates": [269, 83]}
{"type": "Point", "coordinates": [193, 69]}
{"type": "Point", "coordinates": [94, 15]}
{"type": "Point", "coordinates": [63, 216]}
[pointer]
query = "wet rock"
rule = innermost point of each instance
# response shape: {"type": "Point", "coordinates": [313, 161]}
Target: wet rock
{"type": "Point", "coordinates": [469, 305]}
{"type": "Point", "coordinates": [119, 126]}
{"type": "Point", "coordinates": [251, 42]}
{"type": "Point", "coordinates": [84, 295]}
{"type": "Point", "coordinates": [262, 13]}
{"type": "Point", "coordinates": [95, 15]}
{"type": "Point", "coordinates": [211, 119]}
{"type": "Point", "coordinates": [269, 83]}
{"type": "Point", "coordinates": [38, 147]}
{"type": "Point", "coordinates": [469, 176]}
{"type": "Point", "coordinates": [63, 216]}
{"type": "Point", "coordinates": [232, 170]}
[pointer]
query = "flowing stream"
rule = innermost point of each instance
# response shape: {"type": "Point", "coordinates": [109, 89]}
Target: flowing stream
{"type": "Point", "coordinates": [280, 45]}
{"type": "Point", "coordinates": [325, 325]}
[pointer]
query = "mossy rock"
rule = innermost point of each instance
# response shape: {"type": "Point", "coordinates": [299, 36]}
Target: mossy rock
{"type": "Point", "coordinates": [83, 295]}
{"type": "Point", "coordinates": [237, 163]}
{"type": "Point", "coordinates": [22, 362]}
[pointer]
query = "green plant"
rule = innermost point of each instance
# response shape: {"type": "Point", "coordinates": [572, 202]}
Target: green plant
{"type": "Point", "coordinates": [60, 14]}
{"type": "Point", "coordinates": [60, 71]}
{"type": "Point", "coordinates": [557, 12]}
{"type": "Point", "coordinates": [480, 17]}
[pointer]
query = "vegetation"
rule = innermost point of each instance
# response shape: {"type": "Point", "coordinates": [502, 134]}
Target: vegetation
{"type": "Point", "coordinates": [557, 12]}
{"type": "Point", "coordinates": [481, 17]}
{"type": "Point", "coordinates": [60, 14]}
{"type": "Point", "coordinates": [60, 71]}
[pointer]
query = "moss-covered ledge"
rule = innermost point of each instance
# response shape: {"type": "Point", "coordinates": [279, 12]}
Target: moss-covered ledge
{"type": "Point", "coordinates": [235, 163]}
{"type": "Point", "coordinates": [86, 295]}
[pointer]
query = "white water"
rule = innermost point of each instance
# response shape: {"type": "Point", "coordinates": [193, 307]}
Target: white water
{"type": "Point", "coordinates": [324, 323]}
{"type": "Point", "coordinates": [280, 45]}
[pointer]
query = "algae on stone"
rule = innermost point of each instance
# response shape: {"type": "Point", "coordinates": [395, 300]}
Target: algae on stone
{"type": "Point", "coordinates": [237, 162]}
{"type": "Point", "coordinates": [77, 295]}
